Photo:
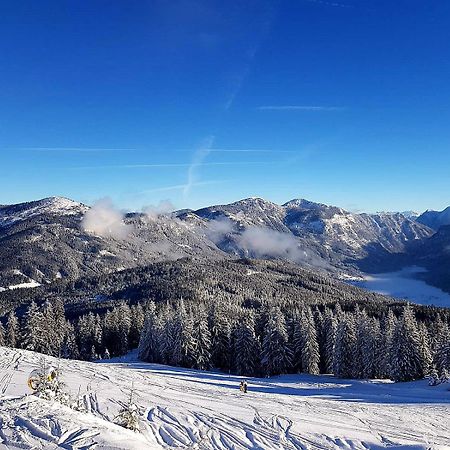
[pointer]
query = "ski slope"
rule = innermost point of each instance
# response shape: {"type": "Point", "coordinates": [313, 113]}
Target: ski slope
{"type": "Point", "coordinates": [184, 409]}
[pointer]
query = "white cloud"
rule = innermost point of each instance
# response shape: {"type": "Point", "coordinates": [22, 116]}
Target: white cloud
{"type": "Point", "coordinates": [260, 242]}
{"type": "Point", "coordinates": [104, 220]}
{"type": "Point", "coordinates": [163, 208]}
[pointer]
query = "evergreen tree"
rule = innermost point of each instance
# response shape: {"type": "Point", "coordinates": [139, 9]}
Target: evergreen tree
{"type": "Point", "coordinates": [201, 337]}
{"type": "Point", "coordinates": [220, 338]}
{"type": "Point", "coordinates": [406, 360]}
{"type": "Point", "coordinates": [387, 325]}
{"type": "Point", "coordinates": [276, 353]}
{"type": "Point", "coordinates": [329, 331]}
{"type": "Point", "coordinates": [310, 346]}
{"type": "Point", "coordinates": [69, 348]}
{"type": "Point", "coordinates": [33, 333]}
{"type": "Point", "coordinates": [149, 349]}
{"type": "Point", "coordinates": [12, 331]}
{"type": "Point", "coordinates": [424, 349]}
{"type": "Point", "coordinates": [137, 324]}
{"type": "Point", "coordinates": [344, 349]}
{"type": "Point", "coordinates": [2, 335]}
{"type": "Point", "coordinates": [246, 346]}
{"type": "Point", "coordinates": [442, 356]}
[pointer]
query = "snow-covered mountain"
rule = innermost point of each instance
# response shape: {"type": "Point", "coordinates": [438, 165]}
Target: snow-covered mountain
{"type": "Point", "coordinates": [435, 219]}
{"type": "Point", "coordinates": [47, 239]}
{"type": "Point", "coordinates": [61, 206]}
{"type": "Point", "coordinates": [328, 233]}
{"type": "Point", "coordinates": [184, 408]}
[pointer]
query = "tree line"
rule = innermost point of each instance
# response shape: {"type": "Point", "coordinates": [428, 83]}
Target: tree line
{"type": "Point", "coordinates": [270, 341]}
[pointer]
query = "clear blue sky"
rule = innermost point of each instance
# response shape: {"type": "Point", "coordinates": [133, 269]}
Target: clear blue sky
{"type": "Point", "coordinates": [345, 102]}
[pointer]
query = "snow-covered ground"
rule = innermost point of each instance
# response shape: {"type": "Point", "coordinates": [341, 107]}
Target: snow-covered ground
{"type": "Point", "coordinates": [182, 408]}
{"type": "Point", "coordinates": [404, 284]}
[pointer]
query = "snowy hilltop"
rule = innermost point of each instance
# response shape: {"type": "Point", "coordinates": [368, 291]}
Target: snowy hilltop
{"type": "Point", "coordinates": [184, 408]}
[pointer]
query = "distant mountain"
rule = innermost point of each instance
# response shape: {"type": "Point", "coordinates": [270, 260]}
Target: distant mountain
{"type": "Point", "coordinates": [327, 234]}
{"type": "Point", "coordinates": [434, 255]}
{"type": "Point", "coordinates": [45, 240]}
{"type": "Point", "coordinates": [435, 219]}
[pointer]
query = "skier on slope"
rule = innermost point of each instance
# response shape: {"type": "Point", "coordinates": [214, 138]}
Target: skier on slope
{"type": "Point", "coordinates": [244, 385]}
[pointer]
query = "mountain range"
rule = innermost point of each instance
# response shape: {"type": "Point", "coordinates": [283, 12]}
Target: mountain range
{"type": "Point", "coordinates": [52, 238]}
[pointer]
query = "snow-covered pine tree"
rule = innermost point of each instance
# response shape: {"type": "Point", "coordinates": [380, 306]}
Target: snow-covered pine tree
{"type": "Point", "coordinates": [406, 360]}
{"type": "Point", "coordinates": [201, 337]}
{"type": "Point", "coordinates": [2, 335]}
{"type": "Point", "coordinates": [124, 325]}
{"type": "Point", "coordinates": [33, 333]}
{"type": "Point", "coordinates": [149, 349]}
{"type": "Point", "coordinates": [165, 340]}
{"type": "Point", "coordinates": [60, 324]}
{"type": "Point", "coordinates": [220, 327]}
{"type": "Point", "coordinates": [310, 346]}
{"type": "Point", "coordinates": [246, 345]}
{"type": "Point", "coordinates": [129, 414]}
{"type": "Point", "coordinates": [442, 355]}
{"type": "Point", "coordinates": [69, 347]}
{"type": "Point", "coordinates": [137, 323]}
{"type": "Point", "coordinates": [296, 342]}
{"type": "Point", "coordinates": [387, 325]}
{"type": "Point", "coordinates": [329, 331]}
{"type": "Point", "coordinates": [319, 321]}
{"type": "Point", "coordinates": [370, 348]}
{"type": "Point", "coordinates": [344, 349]}
{"type": "Point", "coordinates": [424, 348]}
{"type": "Point", "coordinates": [50, 342]}
{"type": "Point", "coordinates": [98, 334]}
{"type": "Point", "coordinates": [363, 342]}
{"type": "Point", "coordinates": [188, 343]}
{"type": "Point", "coordinates": [12, 331]}
{"type": "Point", "coordinates": [276, 356]}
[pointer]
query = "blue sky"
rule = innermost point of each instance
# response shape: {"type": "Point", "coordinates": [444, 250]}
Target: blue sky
{"type": "Point", "coordinates": [200, 101]}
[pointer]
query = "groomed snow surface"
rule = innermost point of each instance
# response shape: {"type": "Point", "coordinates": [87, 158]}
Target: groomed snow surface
{"type": "Point", "coordinates": [184, 409]}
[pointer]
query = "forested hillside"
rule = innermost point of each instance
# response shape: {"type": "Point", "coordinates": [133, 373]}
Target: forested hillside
{"type": "Point", "coordinates": [248, 317]}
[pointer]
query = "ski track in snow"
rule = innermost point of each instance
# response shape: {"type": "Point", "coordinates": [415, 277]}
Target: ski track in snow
{"type": "Point", "coordinates": [188, 409]}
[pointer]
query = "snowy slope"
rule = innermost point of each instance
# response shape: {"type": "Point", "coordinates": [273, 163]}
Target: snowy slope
{"type": "Point", "coordinates": [183, 408]}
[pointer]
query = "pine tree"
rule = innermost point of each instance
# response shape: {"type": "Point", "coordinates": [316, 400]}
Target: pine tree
{"type": "Point", "coordinates": [387, 325]}
{"type": "Point", "coordinates": [220, 338]}
{"type": "Point", "coordinates": [149, 349]}
{"type": "Point", "coordinates": [12, 331]}
{"type": "Point", "coordinates": [33, 334]}
{"type": "Point", "coordinates": [2, 335]}
{"type": "Point", "coordinates": [329, 331]}
{"type": "Point", "coordinates": [246, 346]}
{"type": "Point", "coordinates": [406, 360]}
{"type": "Point", "coordinates": [442, 355]}
{"type": "Point", "coordinates": [310, 346]}
{"type": "Point", "coordinates": [69, 348]}
{"type": "Point", "coordinates": [137, 324]}
{"type": "Point", "coordinates": [297, 343]}
{"type": "Point", "coordinates": [201, 337]}
{"type": "Point", "coordinates": [424, 349]}
{"type": "Point", "coordinates": [276, 353]}
{"type": "Point", "coordinates": [344, 349]}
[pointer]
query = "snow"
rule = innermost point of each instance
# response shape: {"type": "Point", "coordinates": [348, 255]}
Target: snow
{"type": "Point", "coordinates": [30, 284]}
{"type": "Point", "coordinates": [51, 205]}
{"type": "Point", "coordinates": [404, 284]}
{"type": "Point", "coordinates": [183, 408]}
